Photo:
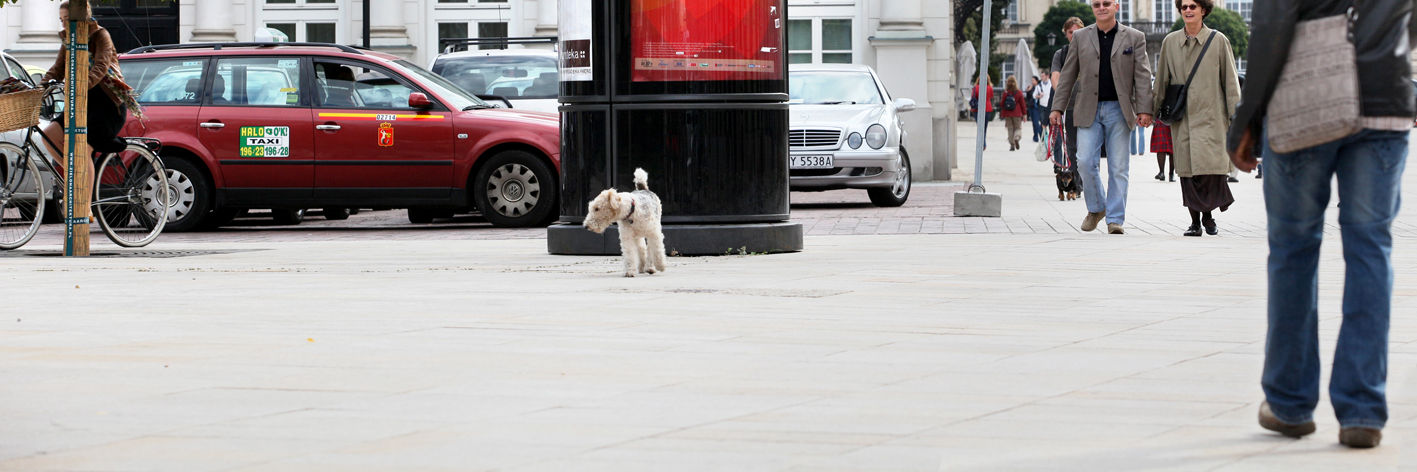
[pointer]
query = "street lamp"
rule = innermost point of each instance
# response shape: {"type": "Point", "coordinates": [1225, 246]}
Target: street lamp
{"type": "Point", "coordinates": [1051, 38]}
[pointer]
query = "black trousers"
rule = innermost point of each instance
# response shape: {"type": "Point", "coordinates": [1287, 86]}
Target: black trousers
{"type": "Point", "coordinates": [106, 119]}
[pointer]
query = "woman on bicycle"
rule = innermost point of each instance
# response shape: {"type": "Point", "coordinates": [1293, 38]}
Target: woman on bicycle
{"type": "Point", "coordinates": [107, 111]}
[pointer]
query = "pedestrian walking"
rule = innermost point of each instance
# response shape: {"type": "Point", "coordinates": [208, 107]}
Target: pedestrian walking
{"type": "Point", "coordinates": [1368, 163]}
{"type": "Point", "coordinates": [1070, 139]}
{"type": "Point", "coordinates": [1042, 94]}
{"type": "Point", "coordinates": [1108, 67]}
{"type": "Point", "coordinates": [1161, 145]}
{"type": "Point", "coordinates": [1012, 105]}
{"type": "Point", "coordinates": [988, 106]}
{"type": "Point", "coordinates": [1032, 110]}
{"type": "Point", "coordinates": [1201, 57]}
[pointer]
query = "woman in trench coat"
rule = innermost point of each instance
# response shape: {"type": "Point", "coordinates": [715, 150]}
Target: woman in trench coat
{"type": "Point", "coordinates": [1198, 138]}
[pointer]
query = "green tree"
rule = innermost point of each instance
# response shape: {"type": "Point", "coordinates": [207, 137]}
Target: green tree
{"type": "Point", "coordinates": [1053, 23]}
{"type": "Point", "coordinates": [1228, 23]}
{"type": "Point", "coordinates": [970, 32]}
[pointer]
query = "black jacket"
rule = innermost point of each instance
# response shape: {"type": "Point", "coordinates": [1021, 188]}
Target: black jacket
{"type": "Point", "coordinates": [1383, 37]}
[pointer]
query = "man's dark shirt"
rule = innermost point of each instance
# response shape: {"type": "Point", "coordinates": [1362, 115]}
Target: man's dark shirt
{"type": "Point", "coordinates": [1106, 87]}
{"type": "Point", "coordinates": [1059, 57]}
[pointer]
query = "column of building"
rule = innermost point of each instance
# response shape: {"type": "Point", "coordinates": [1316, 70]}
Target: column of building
{"type": "Point", "coordinates": [39, 34]}
{"type": "Point", "coordinates": [387, 31]}
{"type": "Point", "coordinates": [213, 22]}
{"type": "Point", "coordinates": [901, 44]}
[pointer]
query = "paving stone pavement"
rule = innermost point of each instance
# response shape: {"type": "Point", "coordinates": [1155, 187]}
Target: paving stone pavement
{"type": "Point", "coordinates": [458, 347]}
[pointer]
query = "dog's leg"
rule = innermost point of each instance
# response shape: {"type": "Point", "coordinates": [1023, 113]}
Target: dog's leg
{"type": "Point", "coordinates": [629, 249]}
{"type": "Point", "coordinates": [644, 255]}
{"type": "Point", "coordinates": [656, 252]}
{"type": "Point", "coordinates": [1060, 196]}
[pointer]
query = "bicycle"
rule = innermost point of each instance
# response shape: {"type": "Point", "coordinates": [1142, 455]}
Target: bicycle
{"type": "Point", "coordinates": [131, 199]}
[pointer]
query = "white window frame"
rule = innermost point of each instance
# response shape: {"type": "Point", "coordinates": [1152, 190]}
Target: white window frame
{"type": "Point", "coordinates": [1243, 7]}
{"type": "Point", "coordinates": [301, 13]}
{"type": "Point", "coordinates": [820, 10]}
{"type": "Point", "coordinates": [472, 12]}
{"type": "Point", "coordinates": [1125, 13]}
{"type": "Point", "coordinates": [1165, 11]}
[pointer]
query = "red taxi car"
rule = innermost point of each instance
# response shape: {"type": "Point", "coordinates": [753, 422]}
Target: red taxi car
{"type": "Point", "coordinates": [289, 126]}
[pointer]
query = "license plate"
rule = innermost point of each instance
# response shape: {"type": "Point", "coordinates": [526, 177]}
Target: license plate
{"type": "Point", "coordinates": [812, 162]}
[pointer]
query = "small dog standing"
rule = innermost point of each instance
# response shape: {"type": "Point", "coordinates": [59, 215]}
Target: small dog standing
{"type": "Point", "coordinates": [637, 214]}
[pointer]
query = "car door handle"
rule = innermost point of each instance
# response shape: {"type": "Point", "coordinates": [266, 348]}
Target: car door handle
{"type": "Point", "coordinates": [327, 127]}
{"type": "Point", "coordinates": [213, 125]}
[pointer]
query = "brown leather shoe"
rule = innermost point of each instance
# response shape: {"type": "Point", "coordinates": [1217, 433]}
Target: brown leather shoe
{"type": "Point", "coordinates": [1114, 228]}
{"type": "Point", "coordinates": [1272, 423]}
{"type": "Point", "coordinates": [1360, 438]}
{"type": "Point", "coordinates": [1090, 222]}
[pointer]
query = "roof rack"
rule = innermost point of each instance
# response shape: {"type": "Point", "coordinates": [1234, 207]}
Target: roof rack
{"type": "Point", "coordinates": [218, 46]}
{"type": "Point", "coordinates": [449, 44]}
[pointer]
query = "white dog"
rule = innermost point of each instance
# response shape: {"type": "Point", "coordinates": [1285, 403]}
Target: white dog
{"type": "Point", "coordinates": [637, 214]}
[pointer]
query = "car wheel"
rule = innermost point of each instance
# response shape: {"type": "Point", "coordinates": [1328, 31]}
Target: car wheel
{"type": "Point", "coordinates": [337, 213]}
{"type": "Point", "coordinates": [189, 194]}
{"type": "Point", "coordinates": [898, 192]}
{"type": "Point", "coordinates": [284, 216]}
{"type": "Point", "coordinates": [514, 189]}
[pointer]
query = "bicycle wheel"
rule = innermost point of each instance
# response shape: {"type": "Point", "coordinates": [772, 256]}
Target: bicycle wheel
{"type": "Point", "coordinates": [131, 196]}
{"type": "Point", "coordinates": [21, 197]}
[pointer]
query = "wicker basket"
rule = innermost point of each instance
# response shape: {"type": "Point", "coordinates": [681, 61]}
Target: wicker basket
{"type": "Point", "coordinates": [20, 110]}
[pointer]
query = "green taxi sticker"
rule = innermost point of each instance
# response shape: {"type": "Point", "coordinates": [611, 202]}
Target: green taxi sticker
{"type": "Point", "coordinates": [265, 141]}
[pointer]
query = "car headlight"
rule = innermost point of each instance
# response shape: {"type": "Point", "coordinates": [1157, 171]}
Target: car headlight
{"type": "Point", "coordinates": [876, 136]}
{"type": "Point", "coordinates": [854, 140]}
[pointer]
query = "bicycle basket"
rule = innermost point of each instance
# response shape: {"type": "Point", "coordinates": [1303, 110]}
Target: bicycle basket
{"type": "Point", "coordinates": [20, 110]}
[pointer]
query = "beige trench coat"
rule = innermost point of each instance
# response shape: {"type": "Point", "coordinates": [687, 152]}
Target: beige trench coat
{"type": "Point", "coordinates": [1199, 138]}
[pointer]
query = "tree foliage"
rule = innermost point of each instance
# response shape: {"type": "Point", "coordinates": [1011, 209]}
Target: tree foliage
{"type": "Point", "coordinates": [968, 26]}
{"type": "Point", "coordinates": [1228, 23]}
{"type": "Point", "coordinates": [1053, 23]}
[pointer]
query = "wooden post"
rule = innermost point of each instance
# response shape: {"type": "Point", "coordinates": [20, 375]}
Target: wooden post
{"type": "Point", "coordinates": [78, 165]}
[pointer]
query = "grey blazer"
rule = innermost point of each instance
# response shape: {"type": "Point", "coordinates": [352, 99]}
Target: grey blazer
{"type": "Point", "coordinates": [1131, 72]}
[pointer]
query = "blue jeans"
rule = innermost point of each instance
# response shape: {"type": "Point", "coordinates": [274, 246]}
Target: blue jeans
{"type": "Point", "coordinates": [1296, 192]}
{"type": "Point", "coordinates": [1037, 115]}
{"type": "Point", "coordinates": [1111, 126]}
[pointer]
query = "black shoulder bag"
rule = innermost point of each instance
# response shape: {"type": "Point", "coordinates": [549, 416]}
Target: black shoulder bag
{"type": "Point", "coordinates": [1173, 107]}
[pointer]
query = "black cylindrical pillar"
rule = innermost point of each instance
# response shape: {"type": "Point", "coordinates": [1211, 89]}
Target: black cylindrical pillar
{"type": "Point", "coordinates": [695, 93]}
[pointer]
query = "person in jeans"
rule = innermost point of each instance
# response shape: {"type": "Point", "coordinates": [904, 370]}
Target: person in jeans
{"type": "Point", "coordinates": [988, 101]}
{"type": "Point", "coordinates": [1107, 64]}
{"type": "Point", "coordinates": [1068, 146]}
{"type": "Point", "coordinates": [1368, 166]}
{"type": "Point", "coordinates": [1031, 111]}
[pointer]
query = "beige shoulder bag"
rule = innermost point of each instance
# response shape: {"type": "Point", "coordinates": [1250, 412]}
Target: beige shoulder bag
{"type": "Point", "coordinates": [1317, 100]}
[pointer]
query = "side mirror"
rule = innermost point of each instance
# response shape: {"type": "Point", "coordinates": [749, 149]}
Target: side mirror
{"type": "Point", "coordinates": [904, 105]}
{"type": "Point", "coordinates": [419, 100]}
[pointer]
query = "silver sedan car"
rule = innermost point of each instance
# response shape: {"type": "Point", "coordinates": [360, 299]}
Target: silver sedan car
{"type": "Point", "coordinates": [845, 132]}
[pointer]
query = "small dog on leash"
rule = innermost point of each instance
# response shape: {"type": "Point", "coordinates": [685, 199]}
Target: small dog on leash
{"type": "Point", "coordinates": [1069, 185]}
{"type": "Point", "coordinates": [637, 215]}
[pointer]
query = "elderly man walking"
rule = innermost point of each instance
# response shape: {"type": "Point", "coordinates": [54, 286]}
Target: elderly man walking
{"type": "Point", "coordinates": [1107, 63]}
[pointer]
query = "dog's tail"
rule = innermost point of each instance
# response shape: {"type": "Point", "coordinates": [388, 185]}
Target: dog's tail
{"type": "Point", "coordinates": [641, 179]}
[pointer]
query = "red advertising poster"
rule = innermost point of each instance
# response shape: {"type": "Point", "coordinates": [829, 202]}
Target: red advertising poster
{"type": "Point", "coordinates": [690, 40]}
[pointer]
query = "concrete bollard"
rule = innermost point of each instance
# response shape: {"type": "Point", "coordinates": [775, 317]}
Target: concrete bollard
{"type": "Point", "coordinates": [978, 204]}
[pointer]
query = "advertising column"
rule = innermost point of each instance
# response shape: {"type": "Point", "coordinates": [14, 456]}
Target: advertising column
{"type": "Point", "coordinates": [695, 93]}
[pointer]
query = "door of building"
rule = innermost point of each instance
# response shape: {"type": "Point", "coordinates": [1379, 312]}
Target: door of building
{"type": "Point", "coordinates": [134, 23]}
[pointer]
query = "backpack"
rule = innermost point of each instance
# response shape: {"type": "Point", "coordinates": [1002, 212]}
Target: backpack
{"type": "Point", "coordinates": [1009, 102]}
{"type": "Point", "coordinates": [974, 102]}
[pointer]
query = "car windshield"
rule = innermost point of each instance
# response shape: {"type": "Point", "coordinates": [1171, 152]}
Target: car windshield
{"type": "Point", "coordinates": [508, 76]}
{"type": "Point", "coordinates": [832, 87]}
{"type": "Point", "coordinates": [457, 98]}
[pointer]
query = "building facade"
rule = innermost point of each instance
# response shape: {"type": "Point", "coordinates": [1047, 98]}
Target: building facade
{"type": "Point", "coordinates": [909, 45]}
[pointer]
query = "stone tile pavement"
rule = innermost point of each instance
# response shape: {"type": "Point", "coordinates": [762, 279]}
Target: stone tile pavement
{"type": "Point", "coordinates": [1013, 350]}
